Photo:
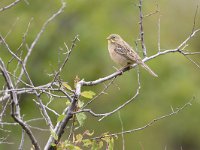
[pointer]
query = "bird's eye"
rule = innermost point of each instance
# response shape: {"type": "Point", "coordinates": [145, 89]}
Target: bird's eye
{"type": "Point", "coordinates": [113, 37]}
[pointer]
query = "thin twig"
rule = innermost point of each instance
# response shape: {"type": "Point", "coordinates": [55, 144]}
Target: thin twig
{"type": "Point", "coordinates": [22, 140]}
{"type": "Point", "coordinates": [142, 29]}
{"type": "Point", "coordinates": [195, 17]}
{"type": "Point", "coordinates": [66, 58]}
{"type": "Point", "coordinates": [159, 33]}
{"type": "Point", "coordinates": [39, 35]}
{"type": "Point", "coordinates": [3, 110]}
{"type": "Point", "coordinates": [11, 28]}
{"type": "Point", "coordinates": [126, 103]}
{"type": "Point", "coordinates": [122, 126]}
{"type": "Point", "coordinates": [148, 124]}
{"type": "Point", "coordinates": [15, 109]}
{"type": "Point", "coordinates": [10, 5]}
{"type": "Point", "coordinates": [102, 92]}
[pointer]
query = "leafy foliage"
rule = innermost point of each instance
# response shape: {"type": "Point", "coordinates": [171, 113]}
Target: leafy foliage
{"type": "Point", "coordinates": [88, 94]}
{"type": "Point", "coordinates": [81, 142]}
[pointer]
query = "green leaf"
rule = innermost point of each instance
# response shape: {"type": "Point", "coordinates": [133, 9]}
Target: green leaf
{"type": "Point", "coordinates": [61, 117]}
{"type": "Point", "coordinates": [100, 144]}
{"type": "Point", "coordinates": [53, 144]}
{"type": "Point", "coordinates": [81, 118]}
{"type": "Point", "coordinates": [111, 144]}
{"type": "Point", "coordinates": [88, 94]}
{"type": "Point", "coordinates": [87, 142]}
{"type": "Point", "coordinates": [67, 86]}
{"type": "Point", "coordinates": [80, 104]}
{"type": "Point", "coordinates": [76, 148]}
{"type": "Point", "coordinates": [67, 103]}
{"type": "Point", "coordinates": [79, 138]}
{"type": "Point", "coordinates": [72, 147]}
{"type": "Point", "coordinates": [94, 146]}
{"type": "Point", "coordinates": [106, 138]}
{"type": "Point", "coordinates": [54, 135]}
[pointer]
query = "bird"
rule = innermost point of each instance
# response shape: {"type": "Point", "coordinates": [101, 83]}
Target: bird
{"type": "Point", "coordinates": [123, 54]}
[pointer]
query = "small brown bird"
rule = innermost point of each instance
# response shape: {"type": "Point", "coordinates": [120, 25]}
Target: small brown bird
{"type": "Point", "coordinates": [123, 54]}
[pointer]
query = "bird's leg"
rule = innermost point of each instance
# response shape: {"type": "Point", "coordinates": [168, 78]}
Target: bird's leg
{"type": "Point", "coordinates": [125, 68]}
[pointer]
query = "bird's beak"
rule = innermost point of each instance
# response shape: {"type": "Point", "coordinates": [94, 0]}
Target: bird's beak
{"type": "Point", "coordinates": [108, 38]}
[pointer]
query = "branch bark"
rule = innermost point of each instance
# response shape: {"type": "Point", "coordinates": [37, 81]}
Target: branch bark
{"type": "Point", "coordinates": [15, 109]}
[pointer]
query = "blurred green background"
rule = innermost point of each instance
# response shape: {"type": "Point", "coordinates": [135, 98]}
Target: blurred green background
{"type": "Point", "coordinates": [93, 21]}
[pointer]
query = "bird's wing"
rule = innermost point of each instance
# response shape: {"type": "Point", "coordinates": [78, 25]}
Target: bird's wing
{"type": "Point", "coordinates": [126, 51]}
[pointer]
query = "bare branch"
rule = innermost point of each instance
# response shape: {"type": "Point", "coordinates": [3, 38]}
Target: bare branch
{"type": "Point", "coordinates": [66, 58]}
{"type": "Point", "coordinates": [10, 5]}
{"type": "Point", "coordinates": [159, 33]}
{"type": "Point", "coordinates": [186, 40]}
{"type": "Point", "coordinates": [44, 113]}
{"type": "Point", "coordinates": [195, 17]}
{"type": "Point", "coordinates": [11, 28]}
{"type": "Point", "coordinates": [3, 140]}
{"type": "Point", "coordinates": [39, 35]}
{"type": "Point", "coordinates": [126, 103]}
{"type": "Point", "coordinates": [89, 111]}
{"type": "Point", "coordinates": [3, 110]}
{"type": "Point", "coordinates": [121, 122]}
{"type": "Point", "coordinates": [148, 124]}
{"type": "Point", "coordinates": [152, 13]}
{"type": "Point", "coordinates": [102, 92]}
{"type": "Point", "coordinates": [8, 48]}
{"type": "Point", "coordinates": [45, 107]}
{"type": "Point", "coordinates": [142, 30]}
{"type": "Point", "coordinates": [23, 70]}
{"type": "Point", "coordinates": [15, 109]}
{"type": "Point", "coordinates": [103, 115]}
{"type": "Point", "coordinates": [60, 126]}
{"type": "Point", "coordinates": [22, 43]}
{"type": "Point", "coordinates": [195, 63]}
{"type": "Point", "coordinates": [22, 141]}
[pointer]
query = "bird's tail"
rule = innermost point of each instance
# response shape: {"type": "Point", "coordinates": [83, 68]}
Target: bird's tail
{"type": "Point", "coordinates": [149, 70]}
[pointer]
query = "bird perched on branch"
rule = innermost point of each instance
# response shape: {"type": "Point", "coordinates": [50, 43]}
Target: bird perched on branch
{"type": "Point", "coordinates": [123, 54]}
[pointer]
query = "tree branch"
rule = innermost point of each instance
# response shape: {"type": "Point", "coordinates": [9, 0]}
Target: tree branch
{"type": "Point", "coordinates": [142, 30]}
{"type": "Point", "coordinates": [15, 109]}
{"type": "Point", "coordinates": [10, 5]}
{"type": "Point", "coordinates": [148, 124]}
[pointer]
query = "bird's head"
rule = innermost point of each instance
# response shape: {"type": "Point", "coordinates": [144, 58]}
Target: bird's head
{"type": "Point", "coordinates": [113, 38]}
